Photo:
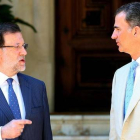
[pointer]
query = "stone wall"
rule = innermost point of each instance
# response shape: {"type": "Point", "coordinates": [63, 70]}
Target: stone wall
{"type": "Point", "coordinates": [40, 58]}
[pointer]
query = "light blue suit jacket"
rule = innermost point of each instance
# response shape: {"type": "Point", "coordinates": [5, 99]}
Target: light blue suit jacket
{"type": "Point", "coordinates": [127, 128]}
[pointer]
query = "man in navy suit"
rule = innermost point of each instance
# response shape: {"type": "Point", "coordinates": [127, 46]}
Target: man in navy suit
{"type": "Point", "coordinates": [30, 94]}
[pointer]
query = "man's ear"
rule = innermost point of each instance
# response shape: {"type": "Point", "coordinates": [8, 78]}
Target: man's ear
{"type": "Point", "coordinates": [136, 30]}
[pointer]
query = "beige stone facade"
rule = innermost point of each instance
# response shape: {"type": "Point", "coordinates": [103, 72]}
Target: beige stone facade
{"type": "Point", "coordinates": [40, 58]}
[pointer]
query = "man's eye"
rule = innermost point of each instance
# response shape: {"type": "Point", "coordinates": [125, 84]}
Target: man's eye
{"type": "Point", "coordinates": [17, 47]}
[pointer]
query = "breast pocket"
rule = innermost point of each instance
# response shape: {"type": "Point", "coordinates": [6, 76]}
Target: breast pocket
{"type": "Point", "coordinates": [37, 109]}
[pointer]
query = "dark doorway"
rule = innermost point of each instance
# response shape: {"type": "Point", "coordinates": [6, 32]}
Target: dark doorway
{"type": "Point", "coordinates": [86, 57]}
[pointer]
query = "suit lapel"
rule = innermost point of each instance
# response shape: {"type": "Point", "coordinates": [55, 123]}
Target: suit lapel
{"type": "Point", "coordinates": [121, 95]}
{"type": "Point", "coordinates": [26, 93]}
{"type": "Point", "coordinates": [134, 99]}
{"type": "Point", "coordinates": [5, 107]}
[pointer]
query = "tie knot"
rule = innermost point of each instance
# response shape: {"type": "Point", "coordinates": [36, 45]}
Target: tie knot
{"type": "Point", "coordinates": [134, 65]}
{"type": "Point", "coordinates": [9, 80]}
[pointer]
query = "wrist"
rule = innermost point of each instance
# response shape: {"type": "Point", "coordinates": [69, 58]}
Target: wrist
{"type": "Point", "coordinates": [2, 133]}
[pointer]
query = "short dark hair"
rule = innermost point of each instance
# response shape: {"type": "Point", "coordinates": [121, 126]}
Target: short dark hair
{"type": "Point", "coordinates": [7, 27]}
{"type": "Point", "coordinates": [132, 11]}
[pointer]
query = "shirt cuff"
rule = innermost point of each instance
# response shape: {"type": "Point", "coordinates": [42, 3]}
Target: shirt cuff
{"type": "Point", "coordinates": [0, 134]}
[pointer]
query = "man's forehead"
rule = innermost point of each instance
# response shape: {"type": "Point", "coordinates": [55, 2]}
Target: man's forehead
{"type": "Point", "coordinates": [10, 33]}
{"type": "Point", "coordinates": [120, 20]}
{"type": "Point", "coordinates": [120, 16]}
{"type": "Point", "coordinates": [13, 38]}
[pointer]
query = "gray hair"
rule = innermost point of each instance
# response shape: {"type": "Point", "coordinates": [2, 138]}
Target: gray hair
{"type": "Point", "coordinates": [7, 27]}
{"type": "Point", "coordinates": [132, 11]}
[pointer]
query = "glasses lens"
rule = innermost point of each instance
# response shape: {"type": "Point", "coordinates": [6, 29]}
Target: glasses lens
{"type": "Point", "coordinates": [25, 46]}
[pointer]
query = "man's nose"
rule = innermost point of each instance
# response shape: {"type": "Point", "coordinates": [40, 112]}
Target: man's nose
{"type": "Point", "coordinates": [114, 35]}
{"type": "Point", "coordinates": [23, 51]}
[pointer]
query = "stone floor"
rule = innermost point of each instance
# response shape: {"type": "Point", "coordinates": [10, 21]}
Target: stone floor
{"type": "Point", "coordinates": [80, 138]}
{"type": "Point", "coordinates": [80, 127]}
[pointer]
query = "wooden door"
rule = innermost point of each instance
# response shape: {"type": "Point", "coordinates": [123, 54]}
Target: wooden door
{"type": "Point", "coordinates": [86, 56]}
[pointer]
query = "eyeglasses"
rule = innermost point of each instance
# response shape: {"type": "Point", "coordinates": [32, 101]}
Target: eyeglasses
{"type": "Point", "coordinates": [18, 47]}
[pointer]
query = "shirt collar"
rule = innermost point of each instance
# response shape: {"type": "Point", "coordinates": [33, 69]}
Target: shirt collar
{"type": "Point", "coordinates": [4, 77]}
{"type": "Point", "coordinates": [138, 60]}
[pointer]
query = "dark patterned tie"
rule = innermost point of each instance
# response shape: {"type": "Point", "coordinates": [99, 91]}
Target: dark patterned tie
{"type": "Point", "coordinates": [13, 102]}
{"type": "Point", "coordinates": [130, 85]}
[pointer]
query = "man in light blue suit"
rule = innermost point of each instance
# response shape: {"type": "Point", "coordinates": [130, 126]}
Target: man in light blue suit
{"type": "Point", "coordinates": [24, 111]}
{"type": "Point", "coordinates": [125, 107]}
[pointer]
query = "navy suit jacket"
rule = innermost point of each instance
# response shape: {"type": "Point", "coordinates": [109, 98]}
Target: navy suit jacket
{"type": "Point", "coordinates": [36, 106]}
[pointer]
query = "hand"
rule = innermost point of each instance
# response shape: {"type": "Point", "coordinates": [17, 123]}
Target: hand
{"type": "Point", "coordinates": [13, 129]}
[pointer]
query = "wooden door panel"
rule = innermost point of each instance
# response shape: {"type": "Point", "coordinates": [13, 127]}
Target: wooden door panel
{"type": "Point", "coordinates": [86, 57]}
{"type": "Point", "coordinates": [91, 18]}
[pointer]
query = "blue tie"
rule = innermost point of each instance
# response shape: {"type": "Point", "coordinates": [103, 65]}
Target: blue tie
{"type": "Point", "coordinates": [13, 102]}
{"type": "Point", "coordinates": [130, 85]}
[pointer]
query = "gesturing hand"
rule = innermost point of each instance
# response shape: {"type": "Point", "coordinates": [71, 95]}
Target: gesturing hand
{"type": "Point", "coordinates": [13, 129]}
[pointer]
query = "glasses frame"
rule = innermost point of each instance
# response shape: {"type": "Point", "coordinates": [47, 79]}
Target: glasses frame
{"type": "Point", "coordinates": [25, 45]}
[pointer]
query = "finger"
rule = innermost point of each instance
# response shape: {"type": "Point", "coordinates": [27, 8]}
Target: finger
{"type": "Point", "coordinates": [23, 122]}
{"type": "Point", "coordinates": [22, 126]}
{"type": "Point", "coordinates": [21, 130]}
{"type": "Point", "coordinates": [17, 133]}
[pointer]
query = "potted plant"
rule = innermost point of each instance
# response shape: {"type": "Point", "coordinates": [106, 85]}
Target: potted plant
{"type": "Point", "coordinates": [7, 16]}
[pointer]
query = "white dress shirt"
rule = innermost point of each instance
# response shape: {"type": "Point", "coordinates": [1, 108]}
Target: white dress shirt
{"type": "Point", "coordinates": [16, 86]}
